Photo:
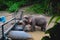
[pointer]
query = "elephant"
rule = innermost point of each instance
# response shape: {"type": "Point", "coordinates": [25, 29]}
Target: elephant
{"type": "Point", "coordinates": [19, 35]}
{"type": "Point", "coordinates": [35, 21]}
{"type": "Point", "coordinates": [19, 26]}
{"type": "Point", "coordinates": [28, 28]}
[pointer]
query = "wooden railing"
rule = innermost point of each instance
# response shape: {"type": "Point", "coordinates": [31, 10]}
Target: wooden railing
{"type": "Point", "coordinates": [4, 33]}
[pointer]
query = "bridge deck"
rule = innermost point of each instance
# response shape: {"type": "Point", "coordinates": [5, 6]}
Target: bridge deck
{"type": "Point", "coordinates": [7, 27]}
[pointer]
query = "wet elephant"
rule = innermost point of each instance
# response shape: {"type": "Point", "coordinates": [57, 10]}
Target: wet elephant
{"type": "Point", "coordinates": [28, 28]}
{"type": "Point", "coordinates": [36, 21]}
{"type": "Point", "coordinates": [19, 35]}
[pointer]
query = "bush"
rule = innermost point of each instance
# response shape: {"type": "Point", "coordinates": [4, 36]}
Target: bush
{"type": "Point", "coordinates": [14, 7]}
{"type": "Point", "coordinates": [48, 7]}
{"type": "Point", "coordinates": [40, 8]}
{"type": "Point", "coordinates": [37, 8]}
{"type": "Point", "coordinates": [54, 32]}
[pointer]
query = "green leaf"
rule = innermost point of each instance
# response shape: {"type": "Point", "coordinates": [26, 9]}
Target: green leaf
{"type": "Point", "coordinates": [14, 7]}
{"type": "Point", "coordinates": [57, 19]}
{"type": "Point", "coordinates": [51, 19]}
{"type": "Point", "coordinates": [45, 38]}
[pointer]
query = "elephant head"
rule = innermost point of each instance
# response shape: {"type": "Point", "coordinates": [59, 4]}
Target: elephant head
{"type": "Point", "coordinates": [27, 19]}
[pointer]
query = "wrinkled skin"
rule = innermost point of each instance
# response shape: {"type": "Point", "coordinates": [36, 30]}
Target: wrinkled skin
{"type": "Point", "coordinates": [36, 21]}
{"type": "Point", "coordinates": [28, 28]}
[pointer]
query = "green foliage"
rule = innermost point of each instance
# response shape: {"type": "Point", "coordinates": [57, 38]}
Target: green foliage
{"type": "Point", "coordinates": [40, 8]}
{"type": "Point", "coordinates": [45, 38]}
{"type": "Point", "coordinates": [54, 33]}
{"type": "Point", "coordinates": [55, 10]}
{"type": "Point", "coordinates": [57, 19]}
{"type": "Point", "coordinates": [35, 8]}
{"type": "Point", "coordinates": [9, 3]}
{"type": "Point", "coordinates": [51, 19]}
{"type": "Point", "coordinates": [14, 7]}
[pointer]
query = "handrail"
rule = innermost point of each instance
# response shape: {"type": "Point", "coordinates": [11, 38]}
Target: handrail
{"type": "Point", "coordinates": [2, 25]}
{"type": "Point", "coordinates": [7, 22]}
{"type": "Point", "coordinates": [12, 19]}
{"type": "Point", "coordinates": [3, 33]}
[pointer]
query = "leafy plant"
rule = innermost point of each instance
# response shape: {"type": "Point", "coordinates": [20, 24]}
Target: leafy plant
{"type": "Point", "coordinates": [54, 33]}
{"type": "Point", "coordinates": [14, 7]}
{"type": "Point", "coordinates": [37, 8]}
{"type": "Point", "coordinates": [46, 38]}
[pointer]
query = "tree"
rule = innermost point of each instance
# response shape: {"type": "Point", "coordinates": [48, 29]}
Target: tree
{"type": "Point", "coordinates": [54, 33]}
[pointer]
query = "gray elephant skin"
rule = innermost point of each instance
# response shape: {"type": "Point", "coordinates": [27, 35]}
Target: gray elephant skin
{"type": "Point", "coordinates": [36, 21]}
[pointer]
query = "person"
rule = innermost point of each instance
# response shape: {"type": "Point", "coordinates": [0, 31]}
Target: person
{"type": "Point", "coordinates": [2, 19]}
